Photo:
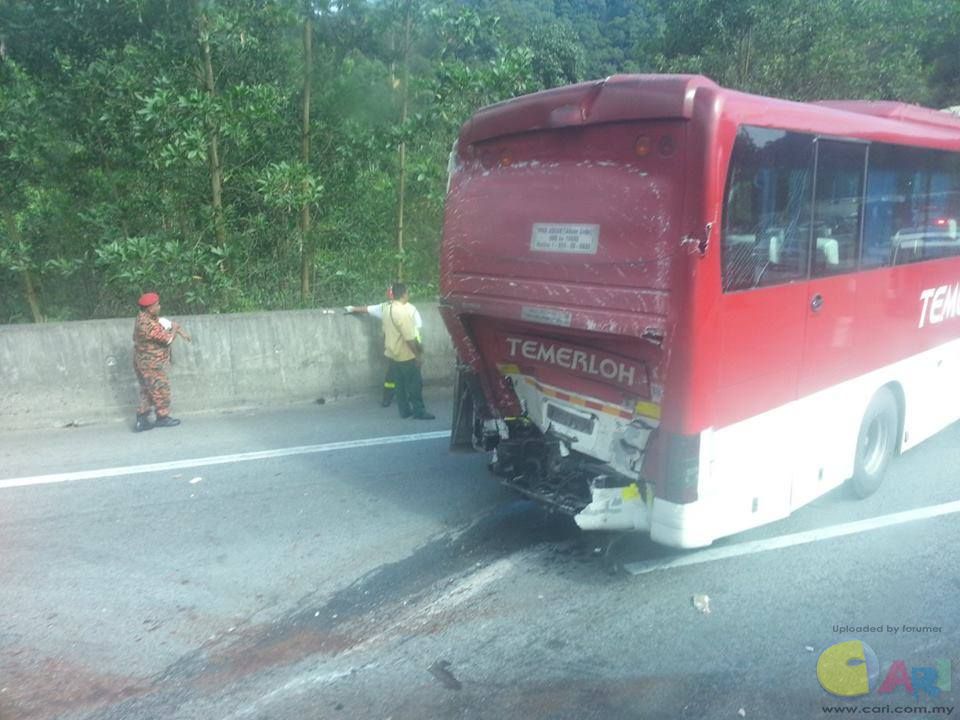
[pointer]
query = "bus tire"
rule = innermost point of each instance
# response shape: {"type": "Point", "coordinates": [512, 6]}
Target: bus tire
{"type": "Point", "coordinates": [876, 443]}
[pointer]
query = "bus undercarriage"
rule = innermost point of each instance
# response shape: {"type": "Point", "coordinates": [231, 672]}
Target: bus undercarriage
{"type": "Point", "coordinates": [542, 465]}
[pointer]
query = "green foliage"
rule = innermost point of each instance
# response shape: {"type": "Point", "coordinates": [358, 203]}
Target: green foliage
{"type": "Point", "coordinates": [804, 50]}
{"type": "Point", "coordinates": [109, 125]}
{"type": "Point", "coordinates": [189, 275]}
{"type": "Point", "coordinates": [557, 56]}
{"type": "Point", "coordinates": [289, 186]}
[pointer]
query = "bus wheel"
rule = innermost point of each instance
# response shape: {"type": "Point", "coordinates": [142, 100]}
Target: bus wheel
{"type": "Point", "coordinates": [876, 444]}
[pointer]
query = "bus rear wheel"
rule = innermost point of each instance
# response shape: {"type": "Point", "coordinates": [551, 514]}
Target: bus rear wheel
{"type": "Point", "coordinates": [876, 443]}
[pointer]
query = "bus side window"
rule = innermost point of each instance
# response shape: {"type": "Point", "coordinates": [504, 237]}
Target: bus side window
{"type": "Point", "coordinates": [837, 209]}
{"type": "Point", "coordinates": [942, 238]}
{"type": "Point", "coordinates": [767, 209]}
{"type": "Point", "coordinates": [913, 205]}
{"type": "Point", "coordinates": [879, 217]}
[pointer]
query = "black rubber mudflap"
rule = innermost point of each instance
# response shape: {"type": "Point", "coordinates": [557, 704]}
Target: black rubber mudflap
{"type": "Point", "coordinates": [465, 398]}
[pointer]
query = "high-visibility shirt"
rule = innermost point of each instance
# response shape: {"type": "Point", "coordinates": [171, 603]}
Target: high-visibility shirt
{"type": "Point", "coordinates": [377, 311]}
{"type": "Point", "coordinates": [398, 331]}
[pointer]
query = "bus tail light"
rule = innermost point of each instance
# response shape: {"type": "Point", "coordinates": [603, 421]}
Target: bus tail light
{"type": "Point", "coordinates": [672, 463]}
{"type": "Point", "coordinates": [642, 146]}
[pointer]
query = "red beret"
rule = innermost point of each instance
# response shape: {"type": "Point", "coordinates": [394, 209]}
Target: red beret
{"type": "Point", "coordinates": [148, 299]}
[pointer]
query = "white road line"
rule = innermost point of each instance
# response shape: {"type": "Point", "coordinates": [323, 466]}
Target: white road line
{"type": "Point", "coordinates": [785, 541]}
{"type": "Point", "coordinates": [298, 685]}
{"type": "Point", "coordinates": [218, 460]}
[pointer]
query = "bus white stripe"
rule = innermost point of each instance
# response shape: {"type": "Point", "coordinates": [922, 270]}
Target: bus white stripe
{"type": "Point", "coordinates": [217, 460]}
{"type": "Point", "coordinates": [802, 538]}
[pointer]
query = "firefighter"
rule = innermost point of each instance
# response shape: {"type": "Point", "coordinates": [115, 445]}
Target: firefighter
{"type": "Point", "coordinates": [151, 354]}
{"type": "Point", "coordinates": [377, 311]}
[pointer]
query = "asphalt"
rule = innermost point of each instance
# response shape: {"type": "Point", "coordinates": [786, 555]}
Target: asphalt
{"type": "Point", "coordinates": [400, 581]}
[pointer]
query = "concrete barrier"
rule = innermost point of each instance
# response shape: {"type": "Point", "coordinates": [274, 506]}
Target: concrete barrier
{"type": "Point", "coordinates": [55, 373]}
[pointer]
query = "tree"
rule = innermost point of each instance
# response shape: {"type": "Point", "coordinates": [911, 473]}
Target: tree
{"type": "Point", "coordinates": [308, 184]}
{"type": "Point", "coordinates": [248, 154]}
{"type": "Point", "coordinates": [25, 145]}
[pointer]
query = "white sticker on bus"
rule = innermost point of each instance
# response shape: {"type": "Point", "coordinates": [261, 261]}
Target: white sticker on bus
{"type": "Point", "coordinates": [565, 238]}
{"type": "Point", "coordinates": [939, 304]}
{"type": "Point", "coordinates": [546, 316]}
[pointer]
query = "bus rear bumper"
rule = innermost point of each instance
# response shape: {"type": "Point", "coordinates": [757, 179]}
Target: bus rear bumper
{"type": "Point", "coordinates": [623, 509]}
{"type": "Point", "coordinates": [615, 508]}
{"type": "Point", "coordinates": [686, 525]}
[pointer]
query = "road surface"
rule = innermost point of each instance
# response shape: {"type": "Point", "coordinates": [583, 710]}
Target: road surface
{"type": "Point", "coordinates": [335, 561]}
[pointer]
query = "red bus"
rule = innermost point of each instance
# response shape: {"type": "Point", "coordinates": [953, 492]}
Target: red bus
{"type": "Point", "coordinates": [688, 311]}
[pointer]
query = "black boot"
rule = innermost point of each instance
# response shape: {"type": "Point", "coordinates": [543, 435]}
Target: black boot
{"type": "Point", "coordinates": [143, 423]}
{"type": "Point", "coordinates": [166, 421]}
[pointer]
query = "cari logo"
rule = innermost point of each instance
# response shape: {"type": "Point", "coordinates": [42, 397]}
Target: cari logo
{"type": "Point", "coordinates": [851, 669]}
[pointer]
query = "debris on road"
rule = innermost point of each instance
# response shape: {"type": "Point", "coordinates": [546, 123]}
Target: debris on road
{"type": "Point", "coordinates": [196, 480]}
{"type": "Point", "coordinates": [741, 712]}
{"type": "Point", "coordinates": [440, 672]}
{"type": "Point", "coordinates": [702, 603]}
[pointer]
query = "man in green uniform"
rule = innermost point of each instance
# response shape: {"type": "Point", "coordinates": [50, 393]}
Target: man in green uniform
{"type": "Point", "coordinates": [404, 352]}
{"type": "Point", "coordinates": [151, 354]}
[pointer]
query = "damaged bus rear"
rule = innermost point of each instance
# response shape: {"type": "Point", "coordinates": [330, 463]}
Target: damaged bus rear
{"type": "Point", "coordinates": [573, 229]}
{"type": "Point", "coordinates": [688, 311]}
